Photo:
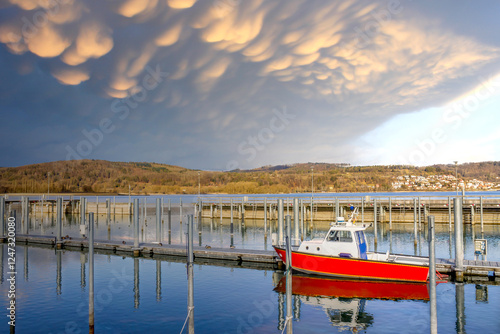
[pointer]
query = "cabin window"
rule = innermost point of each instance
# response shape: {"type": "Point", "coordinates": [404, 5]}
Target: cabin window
{"type": "Point", "coordinates": [340, 236]}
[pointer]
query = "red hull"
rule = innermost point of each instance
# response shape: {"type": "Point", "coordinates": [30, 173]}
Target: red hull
{"type": "Point", "coordinates": [355, 268]}
{"type": "Point", "coordinates": [327, 287]}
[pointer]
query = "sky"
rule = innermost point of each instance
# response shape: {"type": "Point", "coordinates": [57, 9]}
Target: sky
{"type": "Point", "coordinates": [227, 84]}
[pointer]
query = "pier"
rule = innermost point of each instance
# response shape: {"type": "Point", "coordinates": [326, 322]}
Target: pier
{"type": "Point", "coordinates": [403, 208]}
{"type": "Point", "coordinates": [474, 270]}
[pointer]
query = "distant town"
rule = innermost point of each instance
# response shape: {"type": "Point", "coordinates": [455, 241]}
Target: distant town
{"type": "Point", "coordinates": [440, 182]}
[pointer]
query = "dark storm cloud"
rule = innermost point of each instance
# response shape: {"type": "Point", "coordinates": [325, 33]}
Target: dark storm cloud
{"type": "Point", "coordinates": [227, 83]}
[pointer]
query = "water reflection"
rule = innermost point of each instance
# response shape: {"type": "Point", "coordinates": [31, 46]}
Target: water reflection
{"type": "Point", "coordinates": [343, 300]}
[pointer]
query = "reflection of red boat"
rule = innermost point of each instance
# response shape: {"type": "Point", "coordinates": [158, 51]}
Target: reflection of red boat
{"type": "Point", "coordinates": [328, 287]}
{"type": "Point", "coordinates": [343, 253]}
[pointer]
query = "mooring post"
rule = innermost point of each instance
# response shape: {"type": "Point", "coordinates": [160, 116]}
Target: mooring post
{"type": "Point", "coordinates": [481, 213]}
{"type": "Point", "coordinates": [289, 310]}
{"type": "Point", "coordinates": [337, 208]}
{"type": "Point", "coordinates": [190, 259]}
{"type": "Point", "coordinates": [362, 209]}
{"type": "Point", "coordinates": [158, 220]}
{"type": "Point", "coordinates": [200, 215]}
{"type": "Point", "coordinates": [296, 235]}
{"type": "Point", "coordinates": [390, 214]}
{"type": "Point", "coordinates": [232, 226]}
{"type": "Point", "coordinates": [301, 219]}
{"type": "Point", "coordinates": [242, 210]}
{"type": "Point", "coordinates": [136, 223]}
{"type": "Point", "coordinates": [280, 222]}
{"type": "Point", "coordinates": [265, 217]}
{"type": "Point", "coordinates": [220, 202]}
{"type": "Point", "coordinates": [375, 221]}
{"type": "Point", "coordinates": [311, 213]}
{"type": "Point", "coordinates": [59, 223]}
{"type": "Point", "coordinates": [432, 274]}
{"type": "Point", "coordinates": [144, 211]}
{"type": "Point", "coordinates": [415, 221]}
{"type": "Point", "coordinates": [27, 214]}
{"type": "Point", "coordinates": [114, 208]}
{"type": "Point", "coordinates": [449, 214]}
{"type": "Point", "coordinates": [169, 216]}
{"type": "Point", "coordinates": [82, 210]}
{"type": "Point", "coordinates": [91, 272]}
{"type": "Point", "coordinates": [97, 207]}
{"type": "Point", "coordinates": [459, 251]}
{"type": "Point", "coordinates": [2, 219]}
{"type": "Point", "coordinates": [41, 207]}
{"type": "Point", "coordinates": [180, 209]}
{"type": "Point", "coordinates": [460, 307]}
{"type": "Point", "coordinates": [108, 210]}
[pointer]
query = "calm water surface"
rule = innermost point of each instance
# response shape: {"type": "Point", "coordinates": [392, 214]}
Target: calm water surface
{"type": "Point", "coordinates": [148, 295]}
{"type": "Point", "coordinates": [141, 295]}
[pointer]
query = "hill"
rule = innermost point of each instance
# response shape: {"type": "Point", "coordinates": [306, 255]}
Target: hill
{"type": "Point", "coordinates": [99, 176]}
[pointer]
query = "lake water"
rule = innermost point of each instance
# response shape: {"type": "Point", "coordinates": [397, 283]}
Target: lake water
{"type": "Point", "coordinates": [137, 295]}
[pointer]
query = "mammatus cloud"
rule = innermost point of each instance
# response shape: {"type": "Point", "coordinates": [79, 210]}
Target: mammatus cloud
{"type": "Point", "coordinates": [230, 62]}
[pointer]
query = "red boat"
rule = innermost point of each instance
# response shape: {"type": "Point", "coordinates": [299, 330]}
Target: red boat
{"type": "Point", "coordinates": [343, 253]}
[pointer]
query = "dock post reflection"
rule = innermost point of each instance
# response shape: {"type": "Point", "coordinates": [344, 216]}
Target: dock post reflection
{"type": "Point", "coordinates": [296, 307]}
{"type": "Point", "coordinates": [26, 276]}
{"type": "Point", "coordinates": [136, 283]}
{"type": "Point", "coordinates": [1, 263]}
{"type": "Point", "coordinates": [158, 280]}
{"type": "Point", "coordinates": [460, 307]}
{"type": "Point", "coordinates": [432, 274]}
{"type": "Point", "coordinates": [91, 272]}
{"type": "Point", "coordinates": [58, 272]}
{"type": "Point", "coordinates": [190, 259]}
{"type": "Point", "coordinates": [83, 260]}
{"type": "Point", "coordinates": [281, 313]}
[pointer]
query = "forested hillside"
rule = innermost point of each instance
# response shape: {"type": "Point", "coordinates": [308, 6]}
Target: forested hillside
{"type": "Point", "coordinates": [98, 176]}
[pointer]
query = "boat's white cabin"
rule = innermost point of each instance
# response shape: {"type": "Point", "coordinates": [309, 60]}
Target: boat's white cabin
{"type": "Point", "coordinates": [344, 239]}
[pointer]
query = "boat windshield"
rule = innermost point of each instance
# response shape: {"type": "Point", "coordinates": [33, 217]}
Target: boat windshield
{"type": "Point", "coordinates": [340, 236]}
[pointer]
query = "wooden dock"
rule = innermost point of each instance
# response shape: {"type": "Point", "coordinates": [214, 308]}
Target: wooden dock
{"type": "Point", "coordinates": [473, 270]}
